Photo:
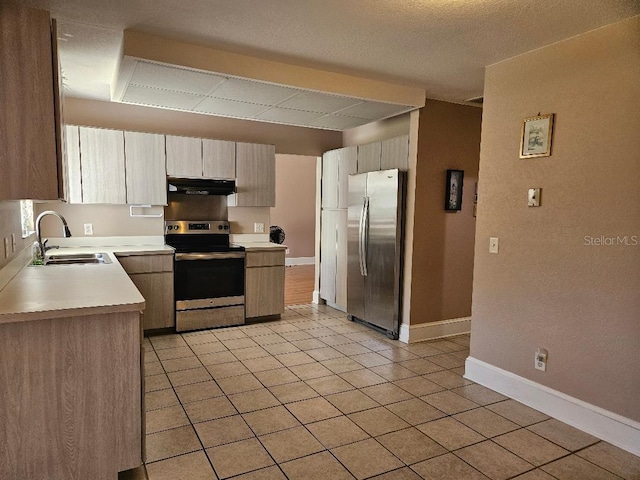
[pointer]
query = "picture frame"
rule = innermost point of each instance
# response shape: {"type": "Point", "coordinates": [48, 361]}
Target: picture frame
{"type": "Point", "coordinates": [453, 191]}
{"type": "Point", "coordinates": [537, 134]}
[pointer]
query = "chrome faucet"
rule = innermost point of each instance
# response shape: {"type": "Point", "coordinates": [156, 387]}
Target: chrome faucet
{"type": "Point", "coordinates": [40, 246]}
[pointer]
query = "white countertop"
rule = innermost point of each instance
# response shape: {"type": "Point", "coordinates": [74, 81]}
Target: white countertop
{"type": "Point", "coordinates": [55, 291]}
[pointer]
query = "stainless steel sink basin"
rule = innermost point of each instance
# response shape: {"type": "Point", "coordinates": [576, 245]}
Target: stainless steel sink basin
{"type": "Point", "coordinates": [77, 258]}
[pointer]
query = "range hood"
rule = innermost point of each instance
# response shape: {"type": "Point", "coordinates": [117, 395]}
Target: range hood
{"type": "Point", "coordinates": [199, 186]}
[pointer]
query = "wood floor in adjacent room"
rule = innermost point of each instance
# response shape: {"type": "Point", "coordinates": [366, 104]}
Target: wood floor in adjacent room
{"type": "Point", "coordinates": [298, 284]}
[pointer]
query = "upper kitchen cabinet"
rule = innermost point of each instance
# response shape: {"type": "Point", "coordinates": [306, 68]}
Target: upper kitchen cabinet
{"type": "Point", "coordinates": [395, 153]}
{"type": "Point", "coordinates": [369, 157]}
{"type": "Point", "coordinates": [255, 176]}
{"type": "Point", "coordinates": [116, 167]}
{"type": "Point", "coordinates": [29, 100]}
{"type": "Point", "coordinates": [337, 165]}
{"type": "Point", "coordinates": [218, 159]}
{"type": "Point", "coordinates": [330, 179]}
{"type": "Point", "coordinates": [102, 164]}
{"type": "Point", "coordinates": [189, 157]}
{"type": "Point", "coordinates": [347, 165]}
{"type": "Point", "coordinates": [184, 157]}
{"type": "Point", "coordinates": [145, 168]}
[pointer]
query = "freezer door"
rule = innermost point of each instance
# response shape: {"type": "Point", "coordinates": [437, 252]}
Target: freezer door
{"type": "Point", "coordinates": [355, 278]}
{"type": "Point", "coordinates": [383, 249]}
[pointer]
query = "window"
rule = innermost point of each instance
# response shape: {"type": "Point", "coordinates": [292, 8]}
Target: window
{"type": "Point", "coordinates": [26, 215]}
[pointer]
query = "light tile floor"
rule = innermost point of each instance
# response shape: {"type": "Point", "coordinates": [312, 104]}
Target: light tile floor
{"type": "Point", "coordinates": [315, 396]}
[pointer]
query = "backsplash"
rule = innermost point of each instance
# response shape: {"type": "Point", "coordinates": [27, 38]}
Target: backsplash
{"type": "Point", "coordinates": [107, 220]}
{"type": "Point", "coordinates": [115, 221]}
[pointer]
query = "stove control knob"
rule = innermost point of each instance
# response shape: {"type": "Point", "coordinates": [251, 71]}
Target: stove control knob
{"type": "Point", "coordinates": [226, 227]}
{"type": "Point", "coordinates": [220, 227]}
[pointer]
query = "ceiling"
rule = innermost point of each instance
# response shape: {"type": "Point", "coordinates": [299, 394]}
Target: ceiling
{"type": "Point", "coordinates": [441, 46]}
{"type": "Point", "coordinates": [179, 88]}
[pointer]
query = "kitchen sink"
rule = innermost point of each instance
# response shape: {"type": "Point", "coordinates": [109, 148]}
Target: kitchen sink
{"type": "Point", "coordinates": [77, 258]}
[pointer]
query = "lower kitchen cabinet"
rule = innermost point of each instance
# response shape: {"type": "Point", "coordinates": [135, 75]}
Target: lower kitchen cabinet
{"type": "Point", "coordinates": [71, 397]}
{"type": "Point", "coordinates": [264, 290]}
{"type": "Point", "coordinates": [153, 276]}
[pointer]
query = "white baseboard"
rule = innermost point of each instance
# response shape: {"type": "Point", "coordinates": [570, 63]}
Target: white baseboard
{"type": "Point", "coordinates": [429, 331]}
{"type": "Point", "coordinates": [300, 261]}
{"type": "Point", "coordinates": [611, 427]}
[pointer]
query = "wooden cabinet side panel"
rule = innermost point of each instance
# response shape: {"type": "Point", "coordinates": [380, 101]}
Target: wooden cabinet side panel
{"type": "Point", "coordinates": [256, 175]}
{"type": "Point", "coordinates": [184, 156]}
{"type": "Point", "coordinates": [28, 157]}
{"type": "Point", "coordinates": [73, 178]}
{"type": "Point", "coordinates": [218, 159]}
{"type": "Point", "coordinates": [102, 162]}
{"type": "Point", "coordinates": [157, 290]}
{"type": "Point", "coordinates": [145, 168]}
{"type": "Point", "coordinates": [70, 390]}
{"type": "Point", "coordinates": [264, 292]}
{"type": "Point", "coordinates": [369, 157]}
{"type": "Point", "coordinates": [395, 153]}
{"type": "Point", "coordinates": [330, 179]}
{"type": "Point", "coordinates": [341, 260]}
{"type": "Point", "coordinates": [328, 255]}
{"type": "Point", "coordinates": [347, 165]}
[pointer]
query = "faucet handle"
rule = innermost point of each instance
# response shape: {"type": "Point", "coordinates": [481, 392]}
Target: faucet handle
{"type": "Point", "coordinates": [45, 247]}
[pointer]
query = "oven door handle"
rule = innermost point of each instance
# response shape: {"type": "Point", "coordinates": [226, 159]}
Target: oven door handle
{"type": "Point", "coordinates": [208, 256]}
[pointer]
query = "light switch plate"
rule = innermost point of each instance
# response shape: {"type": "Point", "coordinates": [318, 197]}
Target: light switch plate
{"type": "Point", "coordinates": [533, 197]}
{"type": "Point", "coordinates": [258, 228]}
{"type": "Point", "coordinates": [493, 245]}
{"type": "Point", "coordinates": [7, 247]}
{"type": "Point", "coordinates": [88, 228]}
{"type": "Point", "coordinates": [13, 243]}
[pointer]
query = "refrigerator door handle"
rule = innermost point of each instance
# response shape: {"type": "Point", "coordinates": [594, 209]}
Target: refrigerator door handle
{"type": "Point", "coordinates": [365, 235]}
{"type": "Point", "coordinates": [361, 236]}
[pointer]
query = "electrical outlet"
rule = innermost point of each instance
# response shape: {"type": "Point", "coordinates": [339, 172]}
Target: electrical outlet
{"type": "Point", "coordinates": [493, 245]}
{"type": "Point", "coordinates": [88, 228]}
{"type": "Point", "coordinates": [13, 243]}
{"type": "Point", "coordinates": [258, 228]}
{"type": "Point", "coordinates": [287, 251]}
{"type": "Point", "coordinates": [540, 359]}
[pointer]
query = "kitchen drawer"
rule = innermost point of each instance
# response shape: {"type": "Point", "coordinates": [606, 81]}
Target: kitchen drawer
{"type": "Point", "coordinates": [264, 259]}
{"type": "Point", "coordinates": [146, 263]}
{"type": "Point", "coordinates": [209, 317]}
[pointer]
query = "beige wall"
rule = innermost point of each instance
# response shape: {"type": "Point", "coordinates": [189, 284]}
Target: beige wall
{"type": "Point", "coordinates": [547, 287]}
{"type": "Point", "coordinates": [295, 209]}
{"type": "Point", "coordinates": [443, 242]}
{"type": "Point", "coordinates": [287, 139]}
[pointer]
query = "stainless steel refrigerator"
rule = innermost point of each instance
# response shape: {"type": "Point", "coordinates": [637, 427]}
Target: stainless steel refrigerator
{"type": "Point", "coordinates": [374, 248]}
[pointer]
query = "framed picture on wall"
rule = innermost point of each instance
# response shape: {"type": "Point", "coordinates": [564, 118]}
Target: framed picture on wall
{"type": "Point", "coordinates": [537, 133]}
{"type": "Point", "coordinates": [453, 192]}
